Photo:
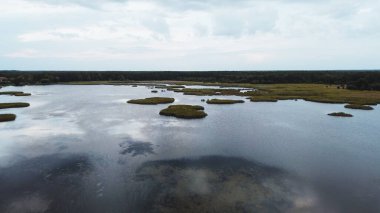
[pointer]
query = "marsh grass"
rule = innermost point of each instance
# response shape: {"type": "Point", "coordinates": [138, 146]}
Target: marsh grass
{"type": "Point", "coordinates": [321, 93]}
{"type": "Point", "coordinates": [309, 92]}
{"type": "Point", "coordinates": [184, 111]}
{"type": "Point", "coordinates": [317, 93]}
{"type": "Point", "coordinates": [152, 101]}
{"type": "Point", "coordinates": [357, 106]}
{"type": "Point", "coordinates": [263, 99]}
{"type": "Point", "coordinates": [13, 105]}
{"type": "Point", "coordinates": [15, 93]}
{"type": "Point", "coordinates": [212, 92]}
{"type": "Point", "coordinates": [340, 114]}
{"type": "Point", "coordinates": [223, 101]}
{"type": "Point", "coordinates": [170, 87]}
{"type": "Point", "coordinates": [7, 117]}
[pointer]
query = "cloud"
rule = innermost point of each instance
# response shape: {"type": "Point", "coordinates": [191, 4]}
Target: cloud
{"type": "Point", "coordinates": [123, 32]}
{"type": "Point", "coordinates": [94, 4]}
{"type": "Point", "coordinates": [197, 34]}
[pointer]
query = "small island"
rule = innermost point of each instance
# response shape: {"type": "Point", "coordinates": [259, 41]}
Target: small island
{"type": "Point", "coordinates": [152, 101]}
{"type": "Point", "coordinates": [7, 117]}
{"type": "Point", "coordinates": [170, 87]}
{"type": "Point", "coordinates": [262, 99]}
{"type": "Point", "coordinates": [340, 114]}
{"type": "Point", "coordinates": [15, 93]}
{"type": "Point", "coordinates": [358, 106]}
{"type": "Point", "coordinates": [223, 101]}
{"type": "Point", "coordinates": [13, 105]}
{"type": "Point", "coordinates": [184, 111]}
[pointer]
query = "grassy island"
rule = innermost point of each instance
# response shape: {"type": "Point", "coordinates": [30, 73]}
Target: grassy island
{"type": "Point", "coordinates": [22, 94]}
{"type": "Point", "coordinates": [152, 101]}
{"type": "Point", "coordinates": [15, 93]}
{"type": "Point", "coordinates": [223, 101]}
{"type": "Point", "coordinates": [13, 105]}
{"type": "Point", "coordinates": [170, 87]}
{"type": "Point", "coordinates": [263, 99]}
{"type": "Point", "coordinates": [340, 114]}
{"type": "Point", "coordinates": [358, 106]}
{"type": "Point", "coordinates": [211, 92]}
{"type": "Point", "coordinates": [7, 117]}
{"type": "Point", "coordinates": [184, 111]}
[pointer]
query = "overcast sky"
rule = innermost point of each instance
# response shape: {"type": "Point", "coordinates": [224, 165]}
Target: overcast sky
{"type": "Point", "coordinates": [189, 34]}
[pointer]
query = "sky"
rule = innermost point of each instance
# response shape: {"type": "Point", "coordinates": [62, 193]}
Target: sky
{"type": "Point", "coordinates": [189, 34]}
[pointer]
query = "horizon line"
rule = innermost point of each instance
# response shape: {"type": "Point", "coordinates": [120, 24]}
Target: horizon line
{"type": "Point", "coordinates": [280, 70]}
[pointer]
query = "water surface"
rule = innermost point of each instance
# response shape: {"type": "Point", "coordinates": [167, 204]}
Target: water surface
{"type": "Point", "coordinates": [84, 149]}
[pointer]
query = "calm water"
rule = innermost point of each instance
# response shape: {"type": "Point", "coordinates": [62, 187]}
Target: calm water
{"type": "Point", "coordinates": [84, 149]}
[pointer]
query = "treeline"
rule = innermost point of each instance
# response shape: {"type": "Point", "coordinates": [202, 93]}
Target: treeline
{"type": "Point", "coordinates": [363, 80]}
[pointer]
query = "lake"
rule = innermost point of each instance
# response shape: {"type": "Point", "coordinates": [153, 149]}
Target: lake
{"type": "Point", "coordinates": [84, 149]}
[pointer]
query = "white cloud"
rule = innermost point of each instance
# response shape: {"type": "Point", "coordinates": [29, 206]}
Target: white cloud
{"type": "Point", "coordinates": [195, 34]}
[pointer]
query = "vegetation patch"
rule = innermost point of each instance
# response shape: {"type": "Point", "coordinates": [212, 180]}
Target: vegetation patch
{"type": "Point", "coordinates": [212, 92]}
{"type": "Point", "coordinates": [358, 106]}
{"type": "Point", "coordinates": [217, 184]}
{"type": "Point", "coordinates": [7, 117]}
{"type": "Point", "coordinates": [317, 93]}
{"type": "Point", "coordinates": [13, 105]}
{"type": "Point", "coordinates": [273, 92]}
{"type": "Point", "coordinates": [184, 111]}
{"type": "Point", "coordinates": [342, 93]}
{"type": "Point", "coordinates": [152, 101]}
{"type": "Point", "coordinates": [340, 114]}
{"type": "Point", "coordinates": [224, 101]}
{"type": "Point", "coordinates": [263, 99]}
{"type": "Point", "coordinates": [137, 148]}
{"type": "Point", "coordinates": [321, 93]}
{"type": "Point", "coordinates": [171, 87]}
{"type": "Point", "coordinates": [15, 93]}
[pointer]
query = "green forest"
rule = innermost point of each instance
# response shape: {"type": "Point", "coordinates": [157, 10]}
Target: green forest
{"type": "Point", "coordinates": [357, 80]}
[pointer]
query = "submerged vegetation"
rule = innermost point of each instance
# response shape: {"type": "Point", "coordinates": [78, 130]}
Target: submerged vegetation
{"type": "Point", "coordinates": [217, 184]}
{"type": "Point", "coordinates": [357, 106]}
{"type": "Point", "coordinates": [15, 93]}
{"type": "Point", "coordinates": [13, 105]}
{"type": "Point", "coordinates": [184, 111]}
{"type": "Point", "coordinates": [152, 101]}
{"type": "Point", "coordinates": [340, 114]}
{"type": "Point", "coordinates": [7, 117]}
{"type": "Point", "coordinates": [223, 101]}
{"type": "Point", "coordinates": [137, 148]}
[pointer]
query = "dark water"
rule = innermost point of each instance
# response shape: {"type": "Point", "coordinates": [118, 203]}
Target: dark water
{"type": "Point", "coordinates": [83, 149]}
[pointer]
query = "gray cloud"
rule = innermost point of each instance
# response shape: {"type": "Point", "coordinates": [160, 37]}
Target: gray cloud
{"type": "Point", "coordinates": [94, 4]}
{"type": "Point", "coordinates": [192, 34]}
